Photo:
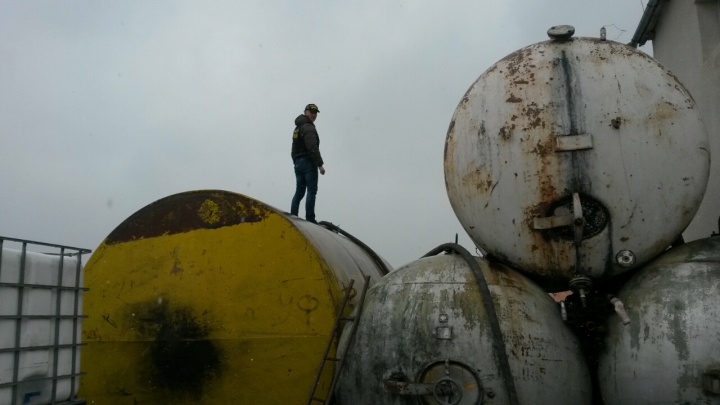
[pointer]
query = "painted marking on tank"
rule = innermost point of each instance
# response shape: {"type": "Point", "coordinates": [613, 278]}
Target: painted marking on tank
{"type": "Point", "coordinates": [107, 319]}
{"type": "Point", "coordinates": [121, 392]}
{"type": "Point", "coordinates": [92, 334]}
{"type": "Point", "coordinates": [308, 303]}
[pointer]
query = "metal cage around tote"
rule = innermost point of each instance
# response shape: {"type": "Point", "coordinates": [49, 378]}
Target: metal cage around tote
{"type": "Point", "coordinates": [66, 295]}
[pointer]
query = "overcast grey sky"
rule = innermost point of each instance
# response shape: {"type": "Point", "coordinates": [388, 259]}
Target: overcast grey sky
{"type": "Point", "coordinates": [107, 106]}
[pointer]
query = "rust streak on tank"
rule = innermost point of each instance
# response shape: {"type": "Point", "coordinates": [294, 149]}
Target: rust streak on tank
{"type": "Point", "coordinates": [544, 149]}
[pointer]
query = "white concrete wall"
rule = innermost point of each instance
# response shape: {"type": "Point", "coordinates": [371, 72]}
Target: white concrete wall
{"type": "Point", "coordinates": [687, 41]}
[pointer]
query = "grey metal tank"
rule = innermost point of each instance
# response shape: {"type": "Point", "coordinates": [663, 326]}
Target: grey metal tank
{"type": "Point", "coordinates": [576, 117]}
{"type": "Point", "coordinates": [670, 352]}
{"type": "Point", "coordinates": [425, 338]}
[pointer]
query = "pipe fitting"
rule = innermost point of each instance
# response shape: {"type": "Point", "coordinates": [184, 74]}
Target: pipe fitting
{"type": "Point", "coordinates": [620, 310]}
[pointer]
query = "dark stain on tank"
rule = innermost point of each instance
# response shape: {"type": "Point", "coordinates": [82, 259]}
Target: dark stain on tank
{"type": "Point", "coordinates": [448, 138]}
{"type": "Point", "coordinates": [185, 212]}
{"type": "Point", "coordinates": [507, 278]}
{"type": "Point", "coordinates": [610, 255]}
{"type": "Point", "coordinates": [513, 99]}
{"type": "Point", "coordinates": [505, 132]}
{"type": "Point", "coordinates": [578, 162]}
{"type": "Point", "coordinates": [181, 358]}
{"type": "Point", "coordinates": [569, 99]}
{"type": "Point", "coordinates": [678, 326]}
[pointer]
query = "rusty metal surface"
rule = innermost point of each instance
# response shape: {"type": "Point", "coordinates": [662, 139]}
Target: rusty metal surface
{"type": "Point", "coordinates": [671, 348]}
{"type": "Point", "coordinates": [397, 336]}
{"type": "Point", "coordinates": [632, 141]}
{"type": "Point", "coordinates": [209, 209]}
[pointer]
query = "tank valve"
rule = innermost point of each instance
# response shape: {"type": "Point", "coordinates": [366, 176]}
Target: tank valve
{"type": "Point", "coordinates": [620, 309]}
{"type": "Point", "coordinates": [625, 258]}
{"type": "Point", "coordinates": [581, 285]}
{"type": "Point", "coordinates": [563, 311]}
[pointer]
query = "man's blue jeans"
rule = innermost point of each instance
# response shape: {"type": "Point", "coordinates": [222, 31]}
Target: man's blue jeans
{"type": "Point", "coordinates": [306, 177]}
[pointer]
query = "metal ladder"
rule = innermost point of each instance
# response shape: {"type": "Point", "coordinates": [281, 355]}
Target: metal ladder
{"type": "Point", "coordinates": [341, 359]}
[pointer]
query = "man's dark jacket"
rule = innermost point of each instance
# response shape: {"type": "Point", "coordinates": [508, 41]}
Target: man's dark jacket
{"type": "Point", "coordinates": [306, 141]}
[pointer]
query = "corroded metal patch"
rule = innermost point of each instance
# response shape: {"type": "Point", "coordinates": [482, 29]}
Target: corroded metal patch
{"type": "Point", "coordinates": [185, 212]}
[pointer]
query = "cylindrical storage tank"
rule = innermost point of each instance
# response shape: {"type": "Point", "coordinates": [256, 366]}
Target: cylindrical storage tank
{"type": "Point", "coordinates": [582, 116]}
{"type": "Point", "coordinates": [212, 297]}
{"type": "Point", "coordinates": [670, 351]}
{"type": "Point", "coordinates": [424, 337]}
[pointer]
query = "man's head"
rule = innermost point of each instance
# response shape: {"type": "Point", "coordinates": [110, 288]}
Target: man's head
{"type": "Point", "coordinates": [311, 111]}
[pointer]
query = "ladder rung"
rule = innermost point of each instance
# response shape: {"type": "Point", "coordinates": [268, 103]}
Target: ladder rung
{"type": "Point", "coordinates": [334, 333]}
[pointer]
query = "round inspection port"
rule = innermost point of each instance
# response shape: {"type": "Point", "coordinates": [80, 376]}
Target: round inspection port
{"type": "Point", "coordinates": [455, 383]}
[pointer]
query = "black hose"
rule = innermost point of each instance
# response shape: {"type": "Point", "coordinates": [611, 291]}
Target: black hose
{"type": "Point", "coordinates": [498, 340]}
{"type": "Point", "coordinates": [378, 261]}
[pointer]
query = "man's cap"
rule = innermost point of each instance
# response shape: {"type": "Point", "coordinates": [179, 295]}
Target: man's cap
{"type": "Point", "coordinates": [312, 108]}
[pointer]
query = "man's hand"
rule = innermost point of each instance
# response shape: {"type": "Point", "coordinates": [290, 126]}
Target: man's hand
{"type": "Point", "coordinates": [322, 170]}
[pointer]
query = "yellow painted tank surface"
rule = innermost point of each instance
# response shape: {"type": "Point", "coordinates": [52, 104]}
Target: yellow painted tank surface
{"type": "Point", "coordinates": [212, 297]}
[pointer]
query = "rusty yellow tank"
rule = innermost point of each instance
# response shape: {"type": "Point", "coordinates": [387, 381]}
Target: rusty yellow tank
{"type": "Point", "coordinates": [214, 297]}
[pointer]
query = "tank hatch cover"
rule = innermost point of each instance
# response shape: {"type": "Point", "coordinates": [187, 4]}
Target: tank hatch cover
{"type": "Point", "coordinates": [561, 32]}
{"type": "Point", "coordinates": [454, 383]}
{"type": "Point", "coordinates": [443, 382]}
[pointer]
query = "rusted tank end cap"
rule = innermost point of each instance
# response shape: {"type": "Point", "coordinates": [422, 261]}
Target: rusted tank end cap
{"type": "Point", "coordinates": [561, 32]}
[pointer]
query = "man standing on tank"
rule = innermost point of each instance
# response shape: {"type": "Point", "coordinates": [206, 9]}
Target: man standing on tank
{"type": "Point", "coordinates": [306, 157]}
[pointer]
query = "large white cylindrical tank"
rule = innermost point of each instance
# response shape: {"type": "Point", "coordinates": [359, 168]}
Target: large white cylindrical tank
{"type": "Point", "coordinates": [424, 337]}
{"type": "Point", "coordinates": [580, 116]}
{"type": "Point", "coordinates": [670, 352]}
